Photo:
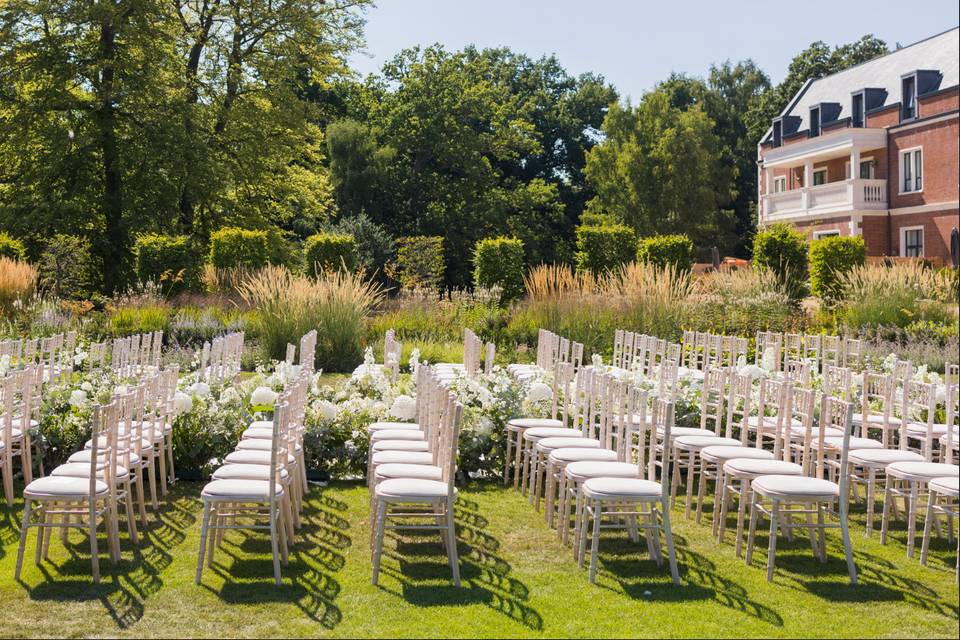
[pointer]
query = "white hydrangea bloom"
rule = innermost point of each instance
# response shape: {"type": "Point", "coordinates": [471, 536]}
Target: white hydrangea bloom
{"type": "Point", "coordinates": [539, 392]}
{"type": "Point", "coordinates": [327, 410]}
{"type": "Point", "coordinates": [263, 397]}
{"type": "Point", "coordinates": [404, 408]}
{"type": "Point", "coordinates": [200, 389]}
{"type": "Point", "coordinates": [182, 402]}
{"type": "Point", "coordinates": [78, 398]}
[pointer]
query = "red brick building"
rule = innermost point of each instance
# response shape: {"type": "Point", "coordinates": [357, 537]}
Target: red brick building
{"type": "Point", "coordinates": [872, 151]}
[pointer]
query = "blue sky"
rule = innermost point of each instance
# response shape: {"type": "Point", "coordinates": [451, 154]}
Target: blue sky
{"type": "Point", "coordinates": [634, 44]}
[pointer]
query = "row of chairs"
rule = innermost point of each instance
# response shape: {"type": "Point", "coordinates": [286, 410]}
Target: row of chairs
{"type": "Point", "coordinates": [221, 358]}
{"type": "Point", "coordinates": [20, 400]}
{"type": "Point", "coordinates": [53, 354]}
{"type": "Point", "coordinates": [411, 469]}
{"type": "Point", "coordinates": [551, 349]}
{"type": "Point", "coordinates": [779, 349]}
{"type": "Point", "coordinates": [263, 479]}
{"type": "Point", "coordinates": [126, 451]}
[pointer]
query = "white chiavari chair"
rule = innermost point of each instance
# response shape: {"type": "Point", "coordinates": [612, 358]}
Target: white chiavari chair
{"type": "Point", "coordinates": [943, 499]}
{"type": "Point", "coordinates": [852, 353]}
{"type": "Point", "coordinates": [769, 350]}
{"type": "Point", "coordinates": [832, 351]}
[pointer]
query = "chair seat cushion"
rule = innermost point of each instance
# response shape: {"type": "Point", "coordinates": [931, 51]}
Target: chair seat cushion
{"type": "Point", "coordinates": [680, 432]}
{"type": "Point", "coordinates": [398, 470]}
{"type": "Point", "coordinates": [253, 456]}
{"type": "Point", "coordinates": [875, 419]}
{"type": "Point", "coordinates": [536, 433]}
{"type": "Point", "coordinates": [246, 472]}
{"type": "Point", "coordinates": [240, 489]}
{"type": "Point", "coordinates": [920, 429]}
{"type": "Point", "coordinates": [396, 434]}
{"type": "Point", "coordinates": [621, 488]}
{"type": "Point", "coordinates": [602, 469]}
{"type": "Point", "coordinates": [402, 457]}
{"type": "Point", "coordinates": [699, 442]}
{"type": "Point", "coordinates": [755, 466]}
{"type": "Point", "coordinates": [549, 444]}
{"type": "Point", "coordinates": [84, 456]}
{"type": "Point", "coordinates": [82, 470]}
{"type": "Point", "coordinates": [829, 432]}
{"type": "Point", "coordinates": [949, 486]}
{"type": "Point", "coordinates": [62, 486]}
{"type": "Point", "coordinates": [258, 433]}
{"type": "Point", "coordinates": [535, 423]}
{"type": "Point", "coordinates": [881, 457]}
{"type": "Point", "coordinates": [836, 443]}
{"type": "Point", "coordinates": [400, 445]}
{"type": "Point", "coordinates": [795, 487]}
{"type": "Point", "coordinates": [922, 470]}
{"type": "Point", "coordinates": [390, 426]}
{"type": "Point", "coordinates": [145, 443]}
{"type": "Point", "coordinates": [722, 453]}
{"type": "Point", "coordinates": [411, 488]}
{"type": "Point", "coordinates": [576, 454]}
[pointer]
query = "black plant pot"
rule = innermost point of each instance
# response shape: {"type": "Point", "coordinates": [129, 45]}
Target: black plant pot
{"type": "Point", "coordinates": [190, 475]}
{"type": "Point", "coordinates": [318, 475]}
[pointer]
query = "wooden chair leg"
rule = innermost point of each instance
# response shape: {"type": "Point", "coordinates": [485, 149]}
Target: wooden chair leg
{"type": "Point", "coordinates": [671, 553]}
{"type": "Point", "coordinates": [927, 525]}
{"type": "Point", "coordinates": [378, 544]}
{"type": "Point", "coordinates": [452, 544]}
{"type": "Point", "coordinates": [772, 546]}
{"type": "Point", "coordinates": [203, 541]}
{"type": "Point", "coordinates": [595, 541]}
{"type": "Point", "coordinates": [24, 526]}
{"type": "Point", "coordinates": [274, 545]}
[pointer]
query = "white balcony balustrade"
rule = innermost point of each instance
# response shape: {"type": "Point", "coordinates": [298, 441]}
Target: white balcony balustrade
{"type": "Point", "coordinates": [832, 198]}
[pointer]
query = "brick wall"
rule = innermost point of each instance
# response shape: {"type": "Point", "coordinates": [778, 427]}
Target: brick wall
{"type": "Point", "coordinates": [936, 231]}
{"type": "Point", "coordinates": [874, 232]}
{"type": "Point", "coordinates": [940, 103]}
{"type": "Point", "coordinates": [941, 172]}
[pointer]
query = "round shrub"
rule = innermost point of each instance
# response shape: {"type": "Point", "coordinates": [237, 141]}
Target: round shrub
{"type": "Point", "coordinates": [66, 268]}
{"type": "Point", "coordinates": [169, 260]}
{"type": "Point", "coordinates": [830, 258]}
{"type": "Point", "coordinates": [419, 262]}
{"type": "Point", "coordinates": [675, 249]}
{"type": "Point", "coordinates": [783, 250]}
{"type": "Point", "coordinates": [233, 247]}
{"type": "Point", "coordinates": [11, 248]}
{"type": "Point", "coordinates": [604, 248]}
{"type": "Point", "coordinates": [498, 262]}
{"type": "Point", "coordinates": [375, 245]}
{"type": "Point", "coordinates": [330, 252]}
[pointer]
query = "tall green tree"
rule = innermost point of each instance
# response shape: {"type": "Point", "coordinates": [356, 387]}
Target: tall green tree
{"type": "Point", "coordinates": [661, 169]}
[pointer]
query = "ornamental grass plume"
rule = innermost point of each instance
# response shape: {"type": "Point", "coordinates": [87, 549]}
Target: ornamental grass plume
{"type": "Point", "coordinates": [17, 282]}
{"type": "Point", "coordinates": [877, 295]}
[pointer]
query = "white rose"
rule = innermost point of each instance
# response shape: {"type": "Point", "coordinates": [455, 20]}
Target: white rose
{"type": "Point", "coordinates": [484, 426]}
{"type": "Point", "coordinates": [86, 386]}
{"type": "Point", "coordinates": [741, 361]}
{"type": "Point", "coordinates": [263, 397]}
{"type": "Point", "coordinates": [327, 410]}
{"type": "Point", "coordinates": [78, 398]}
{"type": "Point", "coordinates": [597, 360]}
{"type": "Point", "coordinates": [539, 392]}
{"type": "Point", "coordinates": [404, 408]}
{"type": "Point", "coordinates": [182, 402]}
{"type": "Point", "coordinates": [200, 389]}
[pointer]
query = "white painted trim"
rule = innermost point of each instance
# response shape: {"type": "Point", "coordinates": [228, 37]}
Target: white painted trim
{"type": "Point", "coordinates": [900, 166]}
{"type": "Point", "coordinates": [825, 146]}
{"type": "Point", "coordinates": [903, 240]}
{"type": "Point", "coordinates": [826, 233]}
{"type": "Point", "coordinates": [779, 180]}
{"type": "Point", "coordinates": [826, 175]}
{"type": "Point", "coordinates": [932, 207]}
{"type": "Point", "coordinates": [808, 217]}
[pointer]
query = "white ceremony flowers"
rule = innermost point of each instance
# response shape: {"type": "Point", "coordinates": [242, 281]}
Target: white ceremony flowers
{"type": "Point", "coordinates": [200, 389]}
{"type": "Point", "coordinates": [263, 397]}
{"type": "Point", "coordinates": [78, 398]}
{"type": "Point", "coordinates": [539, 392]}
{"type": "Point", "coordinates": [327, 410]}
{"type": "Point", "coordinates": [404, 408]}
{"type": "Point", "coordinates": [182, 403]}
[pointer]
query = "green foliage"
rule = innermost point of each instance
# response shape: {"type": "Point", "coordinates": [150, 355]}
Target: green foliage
{"type": "Point", "coordinates": [830, 258]}
{"type": "Point", "coordinates": [662, 169]}
{"type": "Point", "coordinates": [11, 248]}
{"type": "Point", "coordinates": [498, 262]}
{"type": "Point", "coordinates": [232, 247]}
{"type": "Point", "coordinates": [375, 246]}
{"type": "Point", "coordinates": [67, 269]}
{"type": "Point", "coordinates": [420, 262]}
{"type": "Point", "coordinates": [593, 219]}
{"type": "Point", "coordinates": [330, 252]}
{"type": "Point", "coordinates": [169, 260]}
{"type": "Point", "coordinates": [604, 248]}
{"type": "Point", "coordinates": [783, 250]}
{"type": "Point", "coordinates": [879, 298]}
{"type": "Point", "coordinates": [130, 320]}
{"type": "Point", "coordinates": [675, 249]}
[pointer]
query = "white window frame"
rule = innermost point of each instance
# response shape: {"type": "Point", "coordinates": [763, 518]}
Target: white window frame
{"type": "Point", "coordinates": [916, 101]}
{"type": "Point", "coordinates": [873, 168]}
{"type": "Point", "coordinates": [903, 240]}
{"type": "Point", "coordinates": [825, 233]}
{"type": "Point", "coordinates": [902, 166]}
{"type": "Point", "coordinates": [779, 184]}
{"type": "Point", "coordinates": [810, 131]}
{"type": "Point", "coordinates": [826, 176]}
{"type": "Point", "coordinates": [863, 105]}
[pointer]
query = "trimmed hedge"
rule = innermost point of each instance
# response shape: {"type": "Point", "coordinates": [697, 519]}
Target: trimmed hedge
{"type": "Point", "coordinates": [232, 247]}
{"type": "Point", "coordinates": [498, 262]}
{"type": "Point", "coordinates": [604, 248]}
{"type": "Point", "coordinates": [330, 252]}
{"type": "Point", "coordinates": [419, 262]}
{"type": "Point", "coordinates": [11, 248]}
{"type": "Point", "coordinates": [170, 260]}
{"type": "Point", "coordinates": [783, 250]}
{"type": "Point", "coordinates": [675, 249]}
{"type": "Point", "coordinates": [830, 258]}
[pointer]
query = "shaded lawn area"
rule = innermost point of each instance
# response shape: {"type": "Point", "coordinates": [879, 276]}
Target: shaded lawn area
{"type": "Point", "coordinates": [518, 581]}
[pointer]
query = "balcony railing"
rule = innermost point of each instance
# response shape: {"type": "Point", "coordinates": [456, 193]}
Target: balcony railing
{"type": "Point", "coordinates": [830, 198]}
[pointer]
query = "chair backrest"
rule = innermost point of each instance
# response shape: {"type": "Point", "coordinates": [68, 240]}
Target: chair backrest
{"type": "Point", "coordinates": [921, 409]}
{"type": "Point", "coordinates": [792, 346]}
{"type": "Point", "coordinates": [802, 407]}
{"type": "Point", "coordinates": [291, 353]}
{"type": "Point", "coordinates": [832, 351]}
{"type": "Point", "coordinates": [712, 398]}
{"type": "Point", "coordinates": [813, 349]}
{"type": "Point", "coordinates": [582, 397]}
{"type": "Point", "coordinates": [661, 421]}
{"type": "Point", "coordinates": [799, 372]}
{"type": "Point", "coordinates": [768, 352]}
{"type": "Point", "coordinates": [278, 446]}
{"type": "Point", "coordinates": [837, 381]}
{"type": "Point", "coordinates": [576, 355]}
{"type": "Point", "coordinates": [952, 421]}
{"type": "Point", "coordinates": [667, 382]}
{"type": "Point", "coordinates": [876, 399]}
{"type": "Point", "coordinates": [852, 353]}
{"type": "Point", "coordinates": [740, 397]}
{"type": "Point", "coordinates": [634, 427]}
{"type": "Point", "coordinates": [617, 360]}
{"type": "Point", "coordinates": [773, 409]}
{"type": "Point", "coordinates": [836, 414]}
{"type": "Point", "coordinates": [8, 392]}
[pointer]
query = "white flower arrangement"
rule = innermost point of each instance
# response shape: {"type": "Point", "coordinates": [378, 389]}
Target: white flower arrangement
{"type": "Point", "coordinates": [263, 397]}
{"type": "Point", "coordinates": [182, 403]}
{"type": "Point", "coordinates": [404, 408]}
{"type": "Point", "coordinates": [78, 398]}
{"type": "Point", "coordinates": [539, 392]}
{"type": "Point", "coordinates": [200, 389]}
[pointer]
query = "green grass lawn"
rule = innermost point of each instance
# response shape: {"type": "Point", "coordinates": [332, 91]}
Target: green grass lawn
{"type": "Point", "coordinates": [518, 581]}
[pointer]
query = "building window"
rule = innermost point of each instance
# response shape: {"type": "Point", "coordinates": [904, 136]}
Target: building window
{"type": "Point", "coordinates": [825, 234]}
{"type": "Point", "coordinates": [858, 115]}
{"type": "Point", "coordinates": [777, 133]}
{"type": "Point", "coordinates": [780, 184]}
{"type": "Point", "coordinates": [911, 242]}
{"type": "Point", "coordinates": [814, 122]}
{"type": "Point", "coordinates": [908, 99]}
{"type": "Point", "coordinates": [911, 171]}
{"type": "Point", "coordinates": [866, 170]}
{"type": "Point", "coordinates": [819, 177]}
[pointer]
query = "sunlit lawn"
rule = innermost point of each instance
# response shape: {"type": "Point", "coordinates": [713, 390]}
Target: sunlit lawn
{"type": "Point", "coordinates": [519, 581]}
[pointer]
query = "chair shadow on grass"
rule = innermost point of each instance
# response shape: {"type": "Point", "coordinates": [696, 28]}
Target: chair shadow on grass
{"type": "Point", "coordinates": [124, 587]}
{"type": "Point", "coordinates": [419, 565]}
{"type": "Point", "coordinates": [244, 562]}
{"type": "Point", "coordinates": [625, 566]}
